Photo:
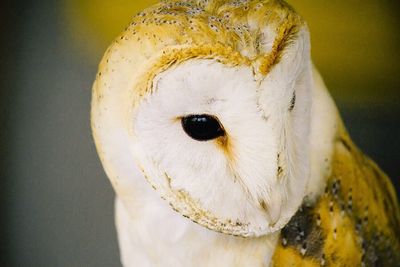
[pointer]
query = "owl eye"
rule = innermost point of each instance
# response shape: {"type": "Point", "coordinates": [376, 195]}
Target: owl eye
{"type": "Point", "coordinates": [202, 127]}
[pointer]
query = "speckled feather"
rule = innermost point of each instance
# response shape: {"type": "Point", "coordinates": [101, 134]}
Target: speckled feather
{"type": "Point", "coordinates": [229, 31]}
{"type": "Point", "coordinates": [355, 222]}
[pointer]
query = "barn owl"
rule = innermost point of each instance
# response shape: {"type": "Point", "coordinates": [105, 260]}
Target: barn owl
{"type": "Point", "coordinates": [225, 148]}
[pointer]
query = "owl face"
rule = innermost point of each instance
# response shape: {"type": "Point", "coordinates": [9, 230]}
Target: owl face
{"type": "Point", "coordinates": [220, 131]}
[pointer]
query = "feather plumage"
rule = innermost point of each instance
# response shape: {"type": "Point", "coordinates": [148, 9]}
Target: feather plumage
{"type": "Point", "coordinates": [354, 222]}
{"type": "Point", "coordinates": [248, 63]}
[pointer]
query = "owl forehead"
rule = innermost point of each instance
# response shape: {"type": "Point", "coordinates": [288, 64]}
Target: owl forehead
{"type": "Point", "coordinates": [247, 26]}
{"type": "Point", "coordinates": [250, 33]}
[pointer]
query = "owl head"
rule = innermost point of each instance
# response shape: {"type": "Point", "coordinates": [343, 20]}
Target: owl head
{"type": "Point", "coordinates": [211, 100]}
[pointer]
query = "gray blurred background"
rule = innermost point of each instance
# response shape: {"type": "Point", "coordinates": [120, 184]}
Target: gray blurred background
{"type": "Point", "coordinates": [56, 203]}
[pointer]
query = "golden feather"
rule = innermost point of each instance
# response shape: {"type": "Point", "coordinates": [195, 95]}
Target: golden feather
{"type": "Point", "coordinates": [355, 222]}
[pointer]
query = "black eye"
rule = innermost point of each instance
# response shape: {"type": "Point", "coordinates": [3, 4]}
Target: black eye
{"type": "Point", "coordinates": [202, 127]}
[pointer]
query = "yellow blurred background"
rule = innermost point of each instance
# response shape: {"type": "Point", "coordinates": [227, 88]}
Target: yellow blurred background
{"type": "Point", "coordinates": [56, 202]}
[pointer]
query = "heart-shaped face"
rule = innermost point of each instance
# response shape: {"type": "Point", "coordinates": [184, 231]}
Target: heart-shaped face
{"type": "Point", "coordinates": [225, 179]}
{"type": "Point", "coordinates": [211, 101]}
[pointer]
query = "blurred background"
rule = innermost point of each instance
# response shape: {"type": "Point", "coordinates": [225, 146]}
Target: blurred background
{"type": "Point", "coordinates": [56, 203]}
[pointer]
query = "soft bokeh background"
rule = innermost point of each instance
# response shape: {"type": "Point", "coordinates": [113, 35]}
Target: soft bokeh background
{"type": "Point", "coordinates": [56, 203]}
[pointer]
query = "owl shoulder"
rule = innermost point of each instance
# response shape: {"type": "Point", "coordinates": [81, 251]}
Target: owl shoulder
{"type": "Point", "coordinates": [354, 222]}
